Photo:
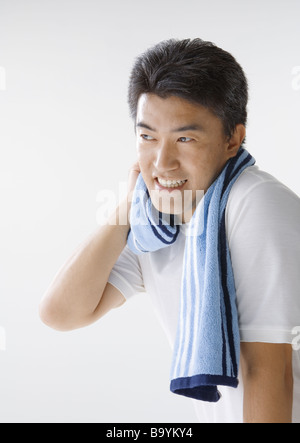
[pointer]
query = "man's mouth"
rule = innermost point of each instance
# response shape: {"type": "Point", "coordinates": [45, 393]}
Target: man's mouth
{"type": "Point", "coordinates": [170, 183]}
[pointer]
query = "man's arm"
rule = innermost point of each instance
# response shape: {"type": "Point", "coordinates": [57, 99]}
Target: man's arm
{"type": "Point", "coordinates": [268, 382]}
{"type": "Point", "coordinates": [79, 293]}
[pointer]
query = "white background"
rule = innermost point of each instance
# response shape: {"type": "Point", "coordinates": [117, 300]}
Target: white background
{"type": "Point", "coordinates": [65, 135]}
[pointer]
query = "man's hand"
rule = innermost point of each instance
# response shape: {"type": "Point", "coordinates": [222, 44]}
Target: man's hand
{"type": "Point", "coordinates": [268, 382]}
{"type": "Point", "coordinates": [132, 177]}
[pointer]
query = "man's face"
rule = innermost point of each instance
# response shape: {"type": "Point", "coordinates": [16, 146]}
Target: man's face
{"type": "Point", "coordinates": [181, 147]}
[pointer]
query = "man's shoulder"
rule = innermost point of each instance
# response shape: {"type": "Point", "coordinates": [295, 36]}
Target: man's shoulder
{"type": "Point", "coordinates": [258, 185]}
{"type": "Point", "coordinates": [258, 200]}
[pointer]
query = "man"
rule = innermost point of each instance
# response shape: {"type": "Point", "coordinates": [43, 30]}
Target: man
{"type": "Point", "coordinates": [188, 101]}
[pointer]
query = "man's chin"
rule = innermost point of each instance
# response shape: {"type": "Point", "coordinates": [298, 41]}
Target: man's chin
{"type": "Point", "coordinates": [174, 215]}
{"type": "Point", "coordinates": [179, 204]}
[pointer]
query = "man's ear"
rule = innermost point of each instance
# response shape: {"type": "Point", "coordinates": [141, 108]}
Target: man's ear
{"type": "Point", "coordinates": [236, 140]}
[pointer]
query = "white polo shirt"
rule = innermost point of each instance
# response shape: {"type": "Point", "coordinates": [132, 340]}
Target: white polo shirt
{"type": "Point", "coordinates": [263, 230]}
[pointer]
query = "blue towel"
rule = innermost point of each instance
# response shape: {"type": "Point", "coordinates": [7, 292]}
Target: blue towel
{"type": "Point", "coordinates": [207, 345]}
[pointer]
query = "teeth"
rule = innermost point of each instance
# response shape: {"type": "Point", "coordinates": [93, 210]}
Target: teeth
{"type": "Point", "coordinates": [170, 183]}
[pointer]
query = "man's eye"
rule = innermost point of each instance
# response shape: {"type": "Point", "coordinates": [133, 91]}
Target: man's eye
{"type": "Point", "coordinates": [185, 139]}
{"type": "Point", "coordinates": [146, 137]}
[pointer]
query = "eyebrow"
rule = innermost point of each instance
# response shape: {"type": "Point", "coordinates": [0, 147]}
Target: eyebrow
{"type": "Point", "coordinates": [191, 127]}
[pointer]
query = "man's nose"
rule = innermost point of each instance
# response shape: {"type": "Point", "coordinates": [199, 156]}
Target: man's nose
{"type": "Point", "coordinates": [166, 158]}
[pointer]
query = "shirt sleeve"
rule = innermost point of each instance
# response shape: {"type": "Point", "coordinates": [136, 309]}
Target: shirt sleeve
{"type": "Point", "coordinates": [126, 274]}
{"type": "Point", "coordinates": [264, 242]}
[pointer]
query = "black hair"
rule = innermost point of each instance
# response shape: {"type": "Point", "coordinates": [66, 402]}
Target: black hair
{"type": "Point", "coordinates": [196, 70]}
